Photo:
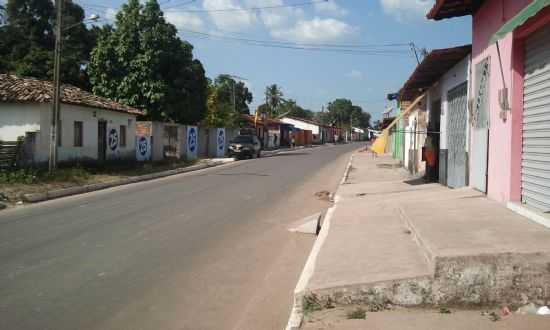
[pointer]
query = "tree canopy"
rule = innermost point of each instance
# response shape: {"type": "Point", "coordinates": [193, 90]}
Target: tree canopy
{"type": "Point", "coordinates": [225, 85]}
{"type": "Point", "coordinates": [27, 40]}
{"type": "Point", "coordinates": [343, 113]}
{"type": "Point", "coordinates": [141, 62]}
{"type": "Point", "coordinates": [291, 108]}
{"type": "Point", "coordinates": [274, 97]}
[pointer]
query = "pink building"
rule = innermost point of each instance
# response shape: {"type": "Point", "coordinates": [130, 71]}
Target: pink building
{"type": "Point", "coordinates": [510, 104]}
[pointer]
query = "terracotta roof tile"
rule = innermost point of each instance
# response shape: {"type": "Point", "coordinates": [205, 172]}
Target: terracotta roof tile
{"type": "Point", "coordinates": [432, 68]}
{"type": "Point", "coordinates": [24, 90]}
{"type": "Point", "coordinates": [453, 8]}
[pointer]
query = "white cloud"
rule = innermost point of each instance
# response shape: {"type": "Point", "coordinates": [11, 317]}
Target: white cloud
{"type": "Point", "coordinates": [276, 18]}
{"type": "Point", "coordinates": [184, 20]}
{"type": "Point", "coordinates": [110, 14]}
{"type": "Point", "coordinates": [355, 74]}
{"type": "Point", "coordinates": [406, 9]}
{"type": "Point", "coordinates": [315, 30]}
{"type": "Point", "coordinates": [236, 20]}
{"type": "Point", "coordinates": [330, 7]}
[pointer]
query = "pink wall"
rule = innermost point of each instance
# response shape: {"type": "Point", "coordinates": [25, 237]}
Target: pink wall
{"type": "Point", "coordinates": [490, 17]}
{"type": "Point", "coordinates": [505, 135]}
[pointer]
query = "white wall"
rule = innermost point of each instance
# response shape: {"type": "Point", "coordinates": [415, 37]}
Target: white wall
{"type": "Point", "coordinates": [301, 125]}
{"type": "Point", "coordinates": [454, 77]}
{"type": "Point", "coordinates": [90, 118]}
{"type": "Point", "coordinates": [18, 118]}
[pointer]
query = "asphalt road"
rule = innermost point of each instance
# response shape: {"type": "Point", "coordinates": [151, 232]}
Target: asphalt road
{"type": "Point", "coordinates": [203, 250]}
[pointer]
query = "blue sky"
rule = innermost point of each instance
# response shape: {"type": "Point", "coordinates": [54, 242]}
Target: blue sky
{"type": "Point", "coordinates": [312, 78]}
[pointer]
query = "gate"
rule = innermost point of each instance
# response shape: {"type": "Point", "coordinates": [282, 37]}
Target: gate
{"type": "Point", "coordinates": [480, 131]}
{"type": "Point", "coordinates": [456, 136]}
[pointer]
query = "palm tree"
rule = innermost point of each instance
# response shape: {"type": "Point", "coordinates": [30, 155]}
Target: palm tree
{"type": "Point", "coordinates": [274, 97]}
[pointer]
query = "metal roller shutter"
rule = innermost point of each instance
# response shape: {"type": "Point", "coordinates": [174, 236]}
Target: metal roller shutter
{"type": "Point", "coordinates": [535, 174]}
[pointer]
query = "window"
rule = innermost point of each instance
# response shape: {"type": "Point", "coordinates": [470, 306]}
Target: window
{"type": "Point", "coordinates": [59, 133]}
{"type": "Point", "coordinates": [78, 134]}
{"type": "Point", "coordinates": [122, 136]}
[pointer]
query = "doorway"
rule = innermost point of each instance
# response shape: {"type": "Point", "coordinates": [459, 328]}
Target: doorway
{"type": "Point", "coordinates": [101, 140]}
{"type": "Point", "coordinates": [432, 167]}
{"type": "Point", "coordinates": [456, 136]}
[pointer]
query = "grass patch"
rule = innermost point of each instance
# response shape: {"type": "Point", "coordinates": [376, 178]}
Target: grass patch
{"type": "Point", "coordinates": [22, 176]}
{"type": "Point", "coordinates": [357, 314]}
{"type": "Point", "coordinates": [311, 304]}
{"type": "Point", "coordinates": [76, 175]}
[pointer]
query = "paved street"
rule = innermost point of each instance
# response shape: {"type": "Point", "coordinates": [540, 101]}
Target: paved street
{"type": "Point", "coordinates": [204, 250]}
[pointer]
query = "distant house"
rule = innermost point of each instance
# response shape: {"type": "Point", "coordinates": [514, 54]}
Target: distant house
{"type": "Point", "coordinates": [307, 125]}
{"type": "Point", "coordinates": [91, 128]}
{"type": "Point", "coordinates": [270, 132]}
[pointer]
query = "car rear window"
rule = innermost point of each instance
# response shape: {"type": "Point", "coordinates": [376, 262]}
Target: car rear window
{"type": "Point", "coordinates": [242, 139]}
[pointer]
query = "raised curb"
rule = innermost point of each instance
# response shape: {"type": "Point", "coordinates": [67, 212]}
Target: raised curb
{"type": "Point", "coordinates": [297, 313]}
{"type": "Point", "coordinates": [53, 194]}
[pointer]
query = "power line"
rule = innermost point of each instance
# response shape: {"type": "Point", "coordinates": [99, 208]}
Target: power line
{"type": "Point", "coordinates": [247, 38]}
{"type": "Point", "coordinates": [349, 48]}
{"type": "Point", "coordinates": [177, 4]}
{"type": "Point", "coordinates": [221, 10]}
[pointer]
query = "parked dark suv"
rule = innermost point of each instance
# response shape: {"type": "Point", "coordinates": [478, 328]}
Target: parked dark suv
{"type": "Point", "coordinates": [245, 146]}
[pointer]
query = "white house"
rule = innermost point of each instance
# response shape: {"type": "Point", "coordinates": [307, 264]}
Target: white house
{"type": "Point", "coordinates": [306, 125]}
{"type": "Point", "coordinates": [91, 128]}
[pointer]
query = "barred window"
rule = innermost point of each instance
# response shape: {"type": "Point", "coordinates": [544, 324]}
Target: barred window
{"type": "Point", "coordinates": [78, 134]}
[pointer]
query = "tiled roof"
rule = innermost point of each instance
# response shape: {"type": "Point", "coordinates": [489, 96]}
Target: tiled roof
{"type": "Point", "coordinates": [453, 8]}
{"type": "Point", "coordinates": [312, 122]}
{"type": "Point", "coordinates": [252, 119]}
{"type": "Point", "coordinates": [432, 68]}
{"type": "Point", "coordinates": [26, 90]}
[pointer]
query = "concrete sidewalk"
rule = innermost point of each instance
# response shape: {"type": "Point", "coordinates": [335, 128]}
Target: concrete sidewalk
{"type": "Point", "coordinates": [395, 240]}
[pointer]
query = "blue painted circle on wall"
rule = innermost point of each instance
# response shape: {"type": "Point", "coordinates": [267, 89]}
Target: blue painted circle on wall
{"type": "Point", "coordinates": [143, 145]}
{"type": "Point", "coordinates": [113, 139]}
{"type": "Point", "coordinates": [192, 139]}
{"type": "Point", "coordinates": [221, 140]}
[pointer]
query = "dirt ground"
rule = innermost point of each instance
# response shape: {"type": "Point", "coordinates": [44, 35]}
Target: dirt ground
{"type": "Point", "coordinates": [423, 319]}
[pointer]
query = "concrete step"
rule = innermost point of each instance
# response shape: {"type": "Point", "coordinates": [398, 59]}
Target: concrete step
{"type": "Point", "coordinates": [376, 262]}
{"type": "Point", "coordinates": [424, 244]}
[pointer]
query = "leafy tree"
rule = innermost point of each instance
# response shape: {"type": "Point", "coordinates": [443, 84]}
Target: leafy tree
{"type": "Point", "coordinates": [274, 97]}
{"type": "Point", "coordinates": [219, 112]}
{"type": "Point", "coordinates": [291, 108]}
{"type": "Point", "coordinates": [27, 40]}
{"type": "Point", "coordinates": [141, 62]}
{"type": "Point", "coordinates": [364, 119]}
{"type": "Point", "coordinates": [225, 86]}
{"type": "Point", "coordinates": [343, 113]}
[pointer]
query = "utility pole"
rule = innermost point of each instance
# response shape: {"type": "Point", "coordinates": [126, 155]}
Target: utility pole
{"type": "Point", "coordinates": [351, 127]}
{"type": "Point", "coordinates": [413, 48]}
{"type": "Point", "coordinates": [52, 163]}
{"type": "Point", "coordinates": [234, 98]}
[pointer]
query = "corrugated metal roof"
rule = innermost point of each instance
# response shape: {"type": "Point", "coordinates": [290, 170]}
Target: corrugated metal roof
{"type": "Point", "coordinates": [453, 8]}
{"type": "Point", "coordinates": [27, 90]}
{"type": "Point", "coordinates": [432, 68]}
